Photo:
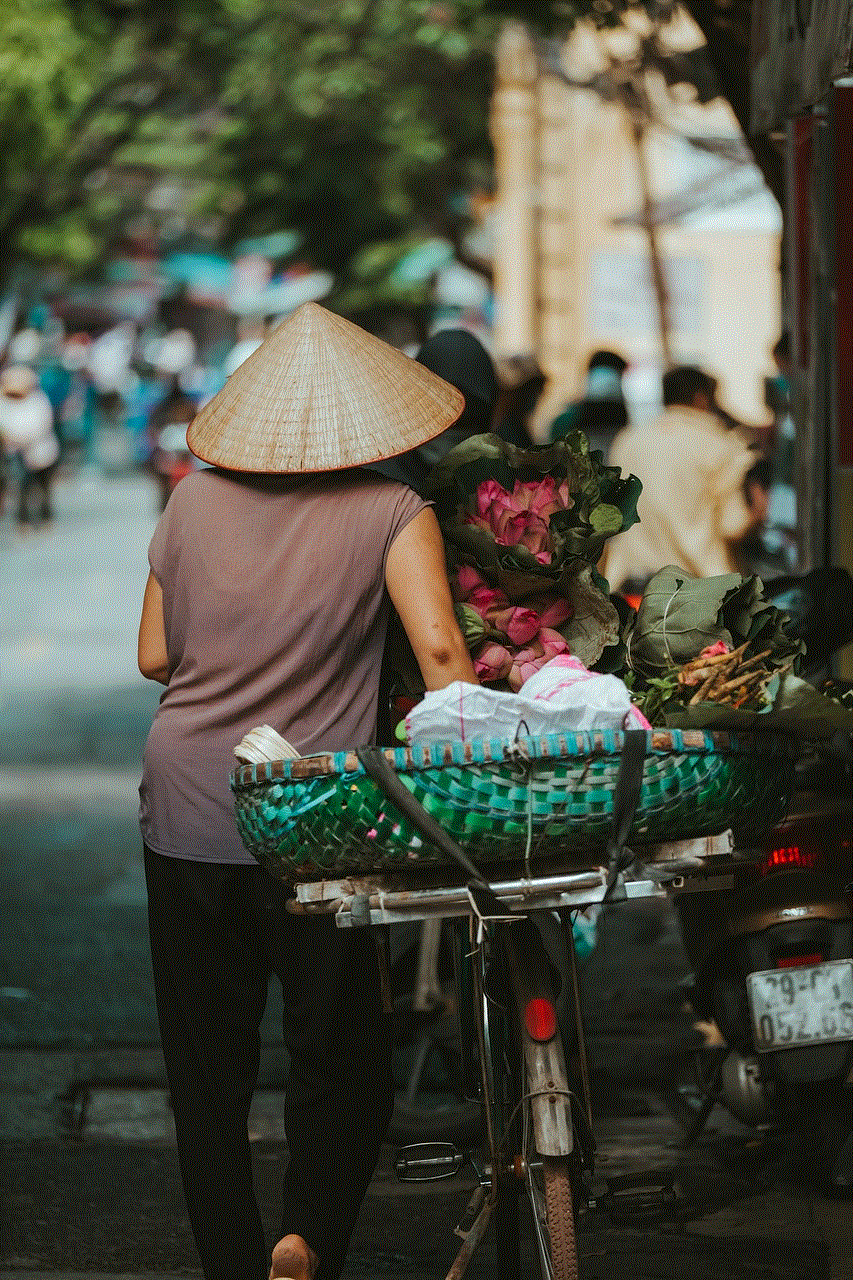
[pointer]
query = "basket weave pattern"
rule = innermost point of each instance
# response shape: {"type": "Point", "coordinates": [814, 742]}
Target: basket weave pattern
{"type": "Point", "coordinates": [337, 821]}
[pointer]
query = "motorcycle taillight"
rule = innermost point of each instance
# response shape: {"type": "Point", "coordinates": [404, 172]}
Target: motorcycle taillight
{"type": "Point", "coordinates": [807, 843]}
{"type": "Point", "coordinates": [782, 857]}
{"type": "Point", "coordinates": [799, 961]}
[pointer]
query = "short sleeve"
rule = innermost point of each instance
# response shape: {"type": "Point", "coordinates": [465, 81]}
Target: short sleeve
{"type": "Point", "coordinates": [407, 505]}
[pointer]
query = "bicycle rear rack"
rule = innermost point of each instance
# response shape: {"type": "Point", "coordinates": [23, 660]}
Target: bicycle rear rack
{"type": "Point", "coordinates": [363, 900]}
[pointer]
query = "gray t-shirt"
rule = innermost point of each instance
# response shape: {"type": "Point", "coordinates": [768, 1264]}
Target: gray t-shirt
{"type": "Point", "coordinates": [276, 611]}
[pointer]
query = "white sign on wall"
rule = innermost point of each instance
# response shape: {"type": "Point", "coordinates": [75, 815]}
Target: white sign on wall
{"type": "Point", "coordinates": [622, 299]}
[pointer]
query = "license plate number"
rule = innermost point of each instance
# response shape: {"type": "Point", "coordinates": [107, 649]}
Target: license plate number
{"type": "Point", "coordinates": [792, 1007]}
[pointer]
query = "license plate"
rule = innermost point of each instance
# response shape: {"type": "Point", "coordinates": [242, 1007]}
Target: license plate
{"type": "Point", "coordinates": [792, 1007]}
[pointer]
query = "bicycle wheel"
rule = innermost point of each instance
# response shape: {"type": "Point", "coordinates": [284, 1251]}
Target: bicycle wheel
{"type": "Point", "coordinates": [550, 1179]}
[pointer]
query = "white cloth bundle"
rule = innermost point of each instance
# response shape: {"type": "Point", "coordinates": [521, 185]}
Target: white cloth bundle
{"type": "Point", "coordinates": [262, 744]}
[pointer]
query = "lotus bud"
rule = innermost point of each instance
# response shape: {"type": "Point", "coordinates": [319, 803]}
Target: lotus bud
{"type": "Point", "coordinates": [556, 613]}
{"type": "Point", "coordinates": [518, 623]}
{"type": "Point", "coordinates": [552, 643]}
{"type": "Point", "coordinates": [492, 662]}
{"type": "Point", "coordinates": [468, 580]}
{"type": "Point", "coordinates": [488, 492]}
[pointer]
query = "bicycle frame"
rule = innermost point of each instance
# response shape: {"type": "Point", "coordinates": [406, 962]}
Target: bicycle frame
{"type": "Point", "coordinates": [544, 1094]}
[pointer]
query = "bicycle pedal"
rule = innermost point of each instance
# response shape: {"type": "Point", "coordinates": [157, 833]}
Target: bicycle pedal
{"type": "Point", "coordinates": [428, 1162]}
{"type": "Point", "coordinates": [646, 1197]}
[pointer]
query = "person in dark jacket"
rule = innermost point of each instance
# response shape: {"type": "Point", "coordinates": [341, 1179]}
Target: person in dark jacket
{"type": "Point", "coordinates": [457, 356]}
{"type": "Point", "coordinates": [602, 411]}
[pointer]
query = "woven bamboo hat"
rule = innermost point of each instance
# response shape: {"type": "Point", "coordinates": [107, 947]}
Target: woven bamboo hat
{"type": "Point", "coordinates": [321, 394]}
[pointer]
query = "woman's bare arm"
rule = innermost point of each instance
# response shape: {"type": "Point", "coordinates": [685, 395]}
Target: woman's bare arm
{"type": "Point", "coordinates": [416, 577]}
{"type": "Point", "coordinates": [152, 656]}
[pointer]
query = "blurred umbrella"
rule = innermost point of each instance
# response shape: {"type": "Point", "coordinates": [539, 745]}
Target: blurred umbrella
{"type": "Point", "coordinates": [202, 272]}
{"type": "Point", "coordinates": [421, 262]}
{"type": "Point", "coordinates": [276, 245]}
{"type": "Point", "coordinates": [283, 296]}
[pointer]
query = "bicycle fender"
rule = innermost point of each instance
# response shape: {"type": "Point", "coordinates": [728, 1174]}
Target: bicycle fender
{"type": "Point", "coordinates": [550, 1103]}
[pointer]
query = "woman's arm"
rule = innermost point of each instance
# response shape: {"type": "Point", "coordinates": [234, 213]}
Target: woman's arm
{"type": "Point", "coordinates": [416, 577]}
{"type": "Point", "coordinates": [151, 650]}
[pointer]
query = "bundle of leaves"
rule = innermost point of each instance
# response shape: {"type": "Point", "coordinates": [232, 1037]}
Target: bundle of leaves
{"type": "Point", "coordinates": [705, 652]}
{"type": "Point", "coordinates": [680, 616]}
{"type": "Point", "coordinates": [524, 529]}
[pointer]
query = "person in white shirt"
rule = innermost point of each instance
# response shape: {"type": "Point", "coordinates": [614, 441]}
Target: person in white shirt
{"type": "Point", "coordinates": [27, 432]}
{"type": "Point", "coordinates": [697, 504]}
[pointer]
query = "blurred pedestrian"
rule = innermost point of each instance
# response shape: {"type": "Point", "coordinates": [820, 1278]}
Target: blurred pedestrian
{"type": "Point", "coordinates": [267, 602]}
{"type": "Point", "coordinates": [602, 410]}
{"type": "Point", "coordinates": [694, 509]}
{"type": "Point", "coordinates": [77, 417]}
{"type": "Point", "coordinates": [459, 357]}
{"type": "Point", "coordinates": [781, 532]}
{"type": "Point", "coordinates": [29, 439]}
{"type": "Point", "coordinates": [522, 384]}
{"type": "Point", "coordinates": [169, 455]}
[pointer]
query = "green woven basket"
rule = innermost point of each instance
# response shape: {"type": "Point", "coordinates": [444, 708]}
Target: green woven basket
{"type": "Point", "coordinates": [322, 816]}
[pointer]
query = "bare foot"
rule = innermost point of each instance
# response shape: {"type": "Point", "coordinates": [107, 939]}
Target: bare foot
{"type": "Point", "coordinates": [293, 1260]}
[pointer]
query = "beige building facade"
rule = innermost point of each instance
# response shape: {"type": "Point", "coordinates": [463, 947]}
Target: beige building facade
{"type": "Point", "coordinates": [571, 225]}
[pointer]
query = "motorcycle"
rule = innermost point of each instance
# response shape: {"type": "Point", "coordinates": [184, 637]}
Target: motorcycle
{"type": "Point", "coordinates": [771, 955]}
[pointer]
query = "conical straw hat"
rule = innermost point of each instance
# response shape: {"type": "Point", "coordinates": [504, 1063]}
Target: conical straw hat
{"type": "Point", "coordinates": [321, 394]}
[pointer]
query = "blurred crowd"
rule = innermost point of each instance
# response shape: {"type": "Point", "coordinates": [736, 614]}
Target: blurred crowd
{"type": "Point", "coordinates": [718, 494]}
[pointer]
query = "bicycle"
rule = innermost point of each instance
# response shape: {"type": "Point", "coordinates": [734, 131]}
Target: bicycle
{"type": "Point", "coordinates": [355, 811]}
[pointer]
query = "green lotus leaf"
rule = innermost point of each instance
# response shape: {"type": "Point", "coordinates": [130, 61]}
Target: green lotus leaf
{"type": "Point", "coordinates": [594, 626]}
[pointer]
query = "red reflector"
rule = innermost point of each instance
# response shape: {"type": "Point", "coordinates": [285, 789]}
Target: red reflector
{"type": "Point", "coordinates": [540, 1019]}
{"type": "Point", "coordinates": [798, 962]}
{"type": "Point", "coordinates": [792, 855]}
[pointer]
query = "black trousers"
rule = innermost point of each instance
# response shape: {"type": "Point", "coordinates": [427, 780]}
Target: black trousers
{"type": "Point", "coordinates": [217, 934]}
{"type": "Point", "coordinates": [38, 482]}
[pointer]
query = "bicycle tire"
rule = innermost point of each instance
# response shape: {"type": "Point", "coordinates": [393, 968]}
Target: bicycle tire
{"type": "Point", "coordinates": [549, 1180]}
{"type": "Point", "coordinates": [502, 1082]}
{"type": "Point", "coordinates": [560, 1212]}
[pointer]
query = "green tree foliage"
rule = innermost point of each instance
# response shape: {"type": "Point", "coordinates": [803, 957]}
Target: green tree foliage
{"type": "Point", "coordinates": [353, 122]}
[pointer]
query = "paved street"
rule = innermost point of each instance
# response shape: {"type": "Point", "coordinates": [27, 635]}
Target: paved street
{"type": "Point", "coordinates": [90, 1178]}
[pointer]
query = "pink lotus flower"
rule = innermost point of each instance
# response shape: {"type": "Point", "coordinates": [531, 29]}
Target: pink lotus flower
{"type": "Point", "coordinates": [467, 580]}
{"type": "Point", "coordinates": [543, 648]}
{"type": "Point", "coordinates": [520, 518]}
{"type": "Point", "coordinates": [713, 650]}
{"type": "Point", "coordinates": [488, 493]}
{"type": "Point", "coordinates": [492, 662]}
{"type": "Point", "coordinates": [485, 598]}
{"type": "Point", "coordinates": [557, 611]}
{"type": "Point", "coordinates": [519, 624]}
{"type": "Point", "coordinates": [542, 497]}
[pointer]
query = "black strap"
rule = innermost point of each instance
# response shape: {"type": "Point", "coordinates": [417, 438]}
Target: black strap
{"type": "Point", "coordinates": [629, 783]}
{"type": "Point", "coordinates": [376, 766]}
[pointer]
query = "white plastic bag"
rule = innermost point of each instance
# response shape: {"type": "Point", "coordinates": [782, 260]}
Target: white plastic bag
{"type": "Point", "coordinates": [562, 696]}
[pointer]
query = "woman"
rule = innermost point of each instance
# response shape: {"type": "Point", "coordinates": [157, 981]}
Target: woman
{"type": "Point", "coordinates": [267, 602]}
